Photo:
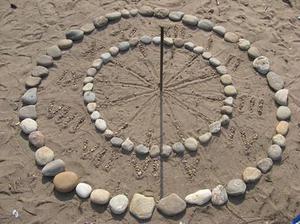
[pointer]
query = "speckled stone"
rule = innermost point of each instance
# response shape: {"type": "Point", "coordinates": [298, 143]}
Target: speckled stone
{"type": "Point", "coordinates": [30, 97]}
{"type": "Point", "coordinates": [65, 181]}
{"type": "Point", "coordinates": [222, 70]}
{"type": "Point", "coordinates": [226, 79]}
{"type": "Point", "coordinates": [127, 145]}
{"type": "Point", "coordinates": [251, 175]}
{"type": "Point", "coordinates": [231, 37]}
{"type": "Point", "coordinates": [32, 81]}
{"type": "Point", "coordinates": [113, 16]}
{"type": "Point", "coordinates": [265, 165]}
{"type": "Point", "coordinates": [230, 90]}
{"type": "Point", "coordinates": [116, 141]}
{"type": "Point", "coordinates": [190, 20]}
{"type": "Point", "coordinates": [141, 206]}
{"type": "Point", "coordinates": [75, 35]}
{"type": "Point", "coordinates": [236, 187]}
{"type": "Point", "coordinates": [178, 148]}
{"type": "Point", "coordinates": [44, 60]}
{"type": "Point", "coordinates": [28, 125]}
{"type": "Point", "coordinates": [65, 44]}
{"type": "Point", "coordinates": [100, 22]}
{"type": "Point", "coordinates": [171, 205]}
{"type": "Point", "coordinates": [88, 79]}
{"type": "Point", "coordinates": [146, 11]}
{"type": "Point", "coordinates": [283, 113]}
{"type": "Point", "coordinates": [37, 139]}
{"type": "Point", "coordinates": [205, 138]}
{"type": "Point", "coordinates": [97, 63]}
{"type": "Point", "coordinates": [275, 81]}
{"type": "Point", "coordinates": [100, 125]}
{"type": "Point", "coordinates": [95, 115]}
{"type": "Point", "coordinates": [191, 144]}
{"type": "Point", "coordinates": [220, 30]}
{"type": "Point", "coordinates": [279, 139]}
{"type": "Point", "coordinates": [28, 111]}
{"type": "Point", "coordinates": [53, 168]}
{"type": "Point", "coordinates": [54, 52]}
{"type": "Point", "coordinates": [178, 42]}
{"type": "Point", "coordinates": [244, 44]}
{"type": "Point", "coordinates": [275, 152]}
{"type": "Point", "coordinates": [166, 151]}
{"type": "Point", "coordinates": [205, 24]}
{"type": "Point", "coordinates": [227, 110]}
{"type": "Point", "coordinates": [253, 52]}
{"type": "Point", "coordinates": [114, 51]}
{"type": "Point", "coordinates": [215, 127]}
{"type": "Point", "coordinates": [200, 197]}
{"type": "Point", "coordinates": [219, 195]}
{"type": "Point", "coordinates": [108, 134]}
{"type": "Point", "coordinates": [89, 97]}
{"type": "Point", "coordinates": [91, 72]}
{"type": "Point", "coordinates": [141, 149]}
{"type": "Point", "coordinates": [100, 196]}
{"type": "Point", "coordinates": [154, 151]}
{"type": "Point", "coordinates": [262, 65]}
{"type": "Point", "coordinates": [88, 87]}
{"type": "Point", "coordinates": [176, 16]}
{"type": "Point", "coordinates": [88, 28]}
{"type": "Point", "coordinates": [118, 204]}
{"type": "Point", "coordinates": [282, 127]}
{"type": "Point", "coordinates": [106, 57]}
{"type": "Point", "coordinates": [40, 71]}
{"type": "Point", "coordinates": [161, 13]}
{"type": "Point", "coordinates": [44, 155]}
{"type": "Point", "coordinates": [281, 97]}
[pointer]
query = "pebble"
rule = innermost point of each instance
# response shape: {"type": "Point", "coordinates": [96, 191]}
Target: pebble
{"type": "Point", "coordinates": [230, 90]}
{"type": "Point", "coordinates": [227, 110]}
{"type": "Point", "coordinates": [125, 13]}
{"type": "Point", "coordinates": [28, 111]}
{"type": "Point", "coordinates": [40, 71]}
{"type": "Point", "coordinates": [75, 35]}
{"type": "Point", "coordinates": [88, 79]}
{"type": "Point", "coordinates": [118, 204]}
{"type": "Point", "coordinates": [100, 125]}
{"type": "Point", "coordinates": [127, 145]}
{"type": "Point", "coordinates": [215, 127]}
{"type": "Point", "coordinates": [114, 51]}
{"type": "Point", "coordinates": [198, 50]}
{"type": "Point", "coordinates": [141, 149]}
{"type": "Point", "coordinates": [236, 187]}
{"type": "Point", "coordinates": [205, 138]}
{"type": "Point", "coordinates": [161, 13]}
{"type": "Point", "coordinates": [279, 139]}
{"type": "Point", "coordinates": [146, 39]}
{"type": "Point", "coordinates": [251, 175]}
{"type": "Point", "coordinates": [189, 46]}
{"type": "Point", "coordinates": [54, 52]}
{"type": "Point", "coordinates": [100, 22]}
{"type": "Point", "coordinates": [166, 151]}
{"type": "Point", "coordinates": [282, 127]}
{"type": "Point", "coordinates": [88, 28]}
{"type": "Point", "coordinates": [100, 196]}
{"type": "Point", "coordinates": [226, 79]}
{"type": "Point", "coordinates": [281, 97]}
{"type": "Point", "coordinates": [261, 65]}
{"type": "Point", "coordinates": [95, 115]}
{"type": "Point", "coordinates": [134, 12]}
{"type": "Point", "coordinates": [205, 24]}
{"type": "Point", "coordinates": [214, 62]}
{"type": "Point", "coordinates": [88, 87]}
{"type": "Point", "coordinates": [225, 120]}
{"type": "Point", "coordinates": [45, 60]}
{"type": "Point", "coordinates": [200, 197]}
{"type": "Point", "coordinates": [244, 44]}
{"type": "Point", "coordinates": [253, 52]}
{"type": "Point", "coordinates": [206, 55]}
{"type": "Point", "coordinates": [65, 181]}
{"type": "Point", "coordinates": [219, 195]}
{"type": "Point", "coordinates": [133, 42]}
{"type": "Point", "coordinates": [91, 107]}
{"type": "Point", "coordinates": [113, 16]}
{"type": "Point", "coordinates": [176, 16]}
{"type": "Point", "coordinates": [141, 206]}
{"type": "Point", "coordinates": [65, 44]}
{"type": "Point", "coordinates": [106, 57]}
{"type": "Point", "coordinates": [108, 134]}
{"type": "Point", "coordinates": [178, 42]}
{"type": "Point", "coordinates": [116, 141]}
{"type": "Point", "coordinates": [275, 81]}
{"type": "Point", "coordinates": [44, 155]}
{"type": "Point", "coordinates": [265, 165]}
{"type": "Point", "coordinates": [283, 113]}
{"type": "Point", "coordinates": [220, 30]}
{"type": "Point", "coordinates": [28, 125]}
{"type": "Point", "coordinates": [231, 37]}
{"type": "Point", "coordinates": [89, 97]}
{"type": "Point", "coordinates": [168, 41]}
{"type": "Point", "coordinates": [178, 148]}
{"type": "Point", "coordinates": [97, 64]}
{"type": "Point", "coordinates": [32, 81]}
{"type": "Point", "coordinates": [228, 101]}
{"type": "Point", "coordinates": [191, 144]}
{"type": "Point", "coordinates": [190, 20]}
{"type": "Point", "coordinates": [53, 168]}
{"type": "Point", "coordinates": [30, 96]}
{"type": "Point", "coordinates": [83, 190]}
{"type": "Point", "coordinates": [222, 70]}
{"type": "Point", "coordinates": [275, 152]}
{"type": "Point", "coordinates": [37, 139]}
{"type": "Point", "coordinates": [146, 11]}
{"type": "Point", "coordinates": [171, 205]}
{"type": "Point", "coordinates": [91, 72]}
{"type": "Point", "coordinates": [156, 40]}
{"type": "Point", "coordinates": [124, 46]}
{"type": "Point", "coordinates": [154, 151]}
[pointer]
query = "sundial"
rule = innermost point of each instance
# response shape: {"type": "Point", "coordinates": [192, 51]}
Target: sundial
{"type": "Point", "coordinates": [171, 93]}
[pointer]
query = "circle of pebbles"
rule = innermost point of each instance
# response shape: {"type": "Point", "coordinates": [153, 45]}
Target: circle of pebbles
{"type": "Point", "coordinates": [141, 206]}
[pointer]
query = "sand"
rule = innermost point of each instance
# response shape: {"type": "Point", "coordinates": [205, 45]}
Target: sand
{"type": "Point", "coordinates": [26, 31]}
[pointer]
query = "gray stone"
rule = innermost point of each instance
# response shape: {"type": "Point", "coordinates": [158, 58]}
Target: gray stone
{"type": "Point", "coordinates": [114, 51]}
{"type": "Point", "coordinates": [176, 16]}
{"type": "Point", "coordinates": [97, 64]}
{"type": "Point", "coordinates": [171, 205]}
{"type": "Point", "coordinates": [189, 46]}
{"type": "Point", "coordinates": [32, 81]}
{"type": "Point", "coordinates": [281, 97]}
{"type": "Point", "coordinates": [227, 110]}
{"type": "Point", "coordinates": [125, 13]}
{"type": "Point", "coordinates": [215, 127]}
{"type": "Point", "coordinates": [161, 13]}
{"type": "Point", "coordinates": [178, 42]}
{"type": "Point", "coordinates": [230, 90]}
{"type": "Point", "coordinates": [91, 107]}
{"type": "Point", "coordinates": [141, 206]}
{"type": "Point", "coordinates": [156, 40]}
{"type": "Point", "coordinates": [100, 196]}
{"type": "Point", "coordinates": [141, 149]}
{"type": "Point", "coordinates": [146, 11]}
{"type": "Point", "coordinates": [226, 79]}
{"type": "Point", "coordinates": [108, 134]}
{"type": "Point", "coordinates": [219, 195]}
{"type": "Point", "coordinates": [95, 115]}
{"type": "Point", "coordinates": [75, 35]}
{"type": "Point", "coordinates": [65, 44]}
{"type": "Point", "coordinates": [28, 111]}
{"type": "Point", "coordinates": [88, 79]}
{"type": "Point", "coordinates": [146, 39]}
{"type": "Point", "coordinates": [118, 204]}
{"type": "Point", "coordinates": [205, 24]}
{"type": "Point", "coordinates": [279, 139]}
{"type": "Point", "coordinates": [283, 113]}
{"type": "Point", "coordinates": [124, 46]}
{"type": "Point", "coordinates": [205, 138]}
{"type": "Point", "coordinates": [228, 101]}
{"type": "Point", "coordinates": [225, 120]}
{"type": "Point", "coordinates": [178, 148]}
{"type": "Point", "coordinates": [116, 141]}
{"type": "Point", "coordinates": [214, 62]}
{"type": "Point", "coordinates": [133, 42]}
{"type": "Point", "coordinates": [275, 152]}
{"type": "Point", "coordinates": [37, 139]}
{"type": "Point", "coordinates": [106, 57]}
{"type": "Point", "coordinates": [30, 96]}
{"type": "Point", "coordinates": [262, 65]}
{"type": "Point", "coordinates": [222, 70]}
{"type": "Point", "coordinates": [198, 50]}
{"type": "Point", "coordinates": [253, 52]}
{"type": "Point", "coordinates": [191, 144]}
{"type": "Point", "coordinates": [113, 16]}
{"type": "Point", "coordinates": [154, 151]}
{"type": "Point", "coordinates": [54, 52]}
{"type": "Point", "coordinates": [251, 175]}
{"type": "Point", "coordinates": [100, 125]}
{"type": "Point", "coordinates": [44, 155]}
{"type": "Point", "coordinates": [88, 87]}
{"type": "Point", "coordinates": [45, 60]}
{"type": "Point", "coordinates": [91, 72]}
{"type": "Point", "coordinates": [89, 97]}
{"type": "Point", "coordinates": [100, 22]}
{"type": "Point", "coordinates": [133, 12]}
{"type": "Point", "coordinates": [244, 44]}
{"type": "Point", "coordinates": [83, 190]}
{"type": "Point", "coordinates": [54, 167]}
{"type": "Point", "coordinates": [265, 165]}
{"type": "Point", "coordinates": [39, 71]}
{"type": "Point", "coordinates": [231, 37]}
{"type": "Point", "coordinates": [275, 81]}
{"type": "Point", "coordinates": [28, 125]}
{"type": "Point", "coordinates": [206, 55]}
{"type": "Point", "coordinates": [127, 145]}
{"type": "Point", "coordinates": [166, 151]}
{"type": "Point", "coordinates": [200, 197]}
{"type": "Point", "coordinates": [88, 28]}
{"type": "Point", "coordinates": [236, 187]}
{"type": "Point", "coordinates": [190, 20]}
{"type": "Point", "coordinates": [282, 127]}
{"type": "Point", "coordinates": [220, 30]}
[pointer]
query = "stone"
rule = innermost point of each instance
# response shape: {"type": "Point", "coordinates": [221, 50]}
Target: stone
{"type": "Point", "coordinates": [44, 60]}
{"type": "Point", "coordinates": [176, 16]}
{"type": "Point", "coordinates": [95, 115]}
{"type": "Point", "coordinates": [230, 90]}
{"type": "Point", "coordinates": [190, 20]}
{"type": "Point", "coordinates": [189, 46]}
{"type": "Point", "coordinates": [75, 35]}
{"type": "Point", "coordinates": [100, 125]}
{"type": "Point", "coordinates": [133, 42]}
{"type": "Point", "coordinates": [228, 101]}
{"type": "Point", "coordinates": [116, 141]}
{"type": "Point", "coordinates": [40, 71]}
{"type": "Point", "coordinates": [215, 127]}
{"type": "Point", "coordinates": [205, 138]}
{"type": "Point", "coordinates": [253, 52]}
{"type": "Point", "coordinates": [54, 52]}
{"type": "Point", "coordinates": [65, 181]}
{"type": "Point", "coordinates": [281, 97]}
{"type": "Point", "coordinates": [227, 110]}
{"type": "Point", "coordinates": [141, 149]}
{"type": "Point", "coordinates": [282, 128]}
{"type": "Point", "coordinates": [91, 107]}
{"type": "Point", "coordinates": [219, 195]}
{"type": "Point", "coordinates": [44, 155]}
{"type": "Point", "coordinates": [275, 152]}
{"type": "Point", "coordinates": [37, 139]}
{"type": "Point", "coordinates": [166, 151]}
{"type": "Point", "coordinates": [168, 41]}
{"type": "Point", "coordinates": [156, 40]}
{"type": "Point", "coordinates": [97, 63]}
{"type": "Point", "coordinates": [226, 79]}
{"type": "Point", "coordinates": [200, 197]}
{"type": "Point", "coordinates": [220, 30]}
{"type": "Point", "coordinates": [146, 11]}
{"type": "Point", "coordinates": [100, 196]}
{"type": "Point", "coordinates": [30, 97]}
{"type": "Point", "coordinates": [53, 168]}
{"type": "Point", "coordinates": [244, 44]}
{"type": "Point", "coordinates": [214, 62]}
{"type": "Point", "coordinates": [134, 12]}
{"type": "Point", "coordinates": [231, 37]}
{"type": "Point", "coordinates": [124, 46]}
{"type": "Point", "coordinates": [141, 206]}
{"type": "Point", "coordinates": [275, 81]}
{"type": "Point", "coordinates": [89, 97]}
{"type": "Point", "coordinates": [65, 44]}
{"type": "Point", "coordinates": [206, 55]}
{"type": "Point", "coordinates": [88, 79]}
{"type": "Point", "coordinates": [178, 42]}
{"type": "Point", "coordinates": [161, 13]}
{"type": "Point", "coordinates": [279, 139]}
{"type": "Point", "coordinates": [251, 175]}
{"type": "Point", "coordinates": [154, 151]}
{"type": "Point", "coordinates": [32, 81]}
{"type": "Point", "coordinates": [236, 187]}
{"type": "Point", "coordinates": [191, 144]}
{"type": "Point", "coordinates": [262, 65]}
{"type": "Point", "coordinates": [127, 145]}
{"type": "Point", "coordinates": [125, 13]}
{"type": "Point", "coordinates": [28, 111]}
{"type": "Point", "coordinates": [100, 22]}
{"type": "Point", "coordinates": [225, 120]}
{"type": "Point", "coordinates": [222, 70]}
{"type": "Point", "coordinates": [146, 39]}
{"type": "Point", "coordinates": [171, 205]}
{"type": "Point", "coordinates": [106, 57]}
{"type": "Point", "coordinates": [88, 28]}
{"type": "Point", "coordinates": [28, 125]}
{"type": "Point", "coordinates": [91, 72]}
{"type": "Point", "coordinates": [88, 87]}
{"type": "Point", "coordinates": [283, 113]}
{"type": "Point", "coordinates": [83, 190]}
{"type": "Point", "coordinates": [118, 204]}
{"type": "Point", "coordinates": [108, 134]}
{"type": "Point", "coordinates": [178, 148]}
{"type": "Point", "coordinates": [205, 24]}
{"type": "Point", "coordinates": [265, 165]}
{"type": "Point", "coordinates": [198, 50]}
{"type": "Point", "coordinates": [114, 51]}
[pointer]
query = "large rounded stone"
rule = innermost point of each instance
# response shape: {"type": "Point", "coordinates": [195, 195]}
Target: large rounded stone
{"type": "Point", "coordinates": [89, 97]}
{"type": "Point", "coordinates": [127, 145]}
{"type": "Point", "coordinates": [282, 127]}
{"type": "Point", "coordinates": [37, 139]}
{"type": "Point", "coordinates": [220, 30]}
{"type": "Point", "coordinates": [65, 181]}
{"type": "Point", "coordinates": [116, 141]}
{"type": "Point", "coordinates": [161, 13]}
{"type": "Point", "coordinates": [261, 65]}
{"type": "Point", "coordinates": [230, 90]}
{"type": "Point", "coordinates": [279, 139]}
{"type": "Point", "coordinates": [236, 187]}
{"type": "Point", "coordinates": [30, 96]}
{"type": "Point", "coordinates": [100, 196]}
{"type": "Point", "coordinates": [124, 46]}
{"type": "Point", "coordinates": [275, 81]}
{"type": "Point", "coordinates": [54, 52]}
{"type": "Point", "coordinates": [53, 168]}
{"type": "Point", "coordinates": [215, 127]}
{"type": "Point", "coordinates": [100, 125]}
{"type": "Point", "coordinates": [154, 151]}
{"type": "Point", "coordinates": [44, 60]}
{"type": "Point", "coordinates": [106, 57]}
{"type": "Point", "coordinates": [275, 152]}
{"type": "Point", "coordinates": [44, 155]}
{"type": "Point", "coordinates": [190, 20]}
{"type": "Point", "coordinates": [141, 206]}
{"type": "Point", "coordinates": [100, 22]}
{"type": "Point", "coordinates": [265, 165]}
{"type": "Point", "coordinates": [283, 113]}
{"type": "Point", "coordinates": [27, 112]}
{"type": "Point", "coordinates": [205, 138]}
{"type": "Point", "coordinates": [199, 197]}
{"type": "Point", "coordinates": [75, 35]}
{"type": "Point", "coordinates": [244, 44]}
{"type": "Point", "coordinates": [191, 144]}
{"type": "Point", "coordinates": [205, 24]}
{"type": "Point", "coordinates": [83, 190]}
{"type": "Point", "coordinates": [118, 204]}
{"type": "Point", "coordinates": [253, 52]}
{"type": "Point", "coordinates": [171, 205]}
{"type": "Point", "coordinates": [141, 149]}
{"type": "Point", "coordinates": [146, 11]}
{"type": "Point", "coordinates": [176, 16]}
{"type": "Point", "coordinates": [251, 175]}
{"type": "Point", "coordinates": [39, 71]}
{"type": "Point", "coordinates": [88, 28]}
{"type": "Point", "coordinates": [281, 97]}
{"type": "Point", "coordinates": [32, 81]}
{"type": "Point", "coordinates": [65, 44]}
{"type": "Point", "coordinates": [219, 195]}
{"type": "Point", "coordinates": [166, 151]}
{"type": "Point", "coordinates": [231, 37]}
{"type": "Point", "coordinates": [178, 147]}
{"type": "Point", "coordinates": [113, 16]}
{"type": "Point", "coordinates": [226, 79]}
{"type": "Point", "coordinates": [146, 39]}
{"type": "Point", "coordinates": [28, 125]}
{"type": "Point", "coordinates": [222, 70]}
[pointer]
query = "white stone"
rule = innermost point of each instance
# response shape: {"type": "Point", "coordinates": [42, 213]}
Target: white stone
{"type": "Point", "coordinates": [83, 190]}
{"type": "Point", "coordinates": [199, 197]}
